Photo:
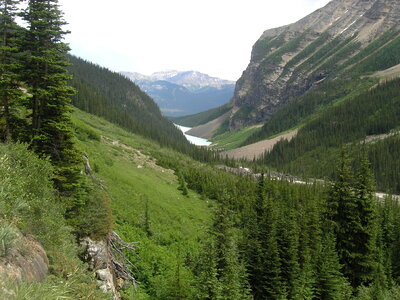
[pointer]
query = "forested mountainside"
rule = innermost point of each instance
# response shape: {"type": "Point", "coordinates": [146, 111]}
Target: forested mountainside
{"type": "Point", "coordinates": [368, 122]}
{"type": "Point", "coordinates": [184, 93]}
{"type": "Point", "coordinates": [314, 57]}
{"type": "Point", "coordinates": [202, 117]}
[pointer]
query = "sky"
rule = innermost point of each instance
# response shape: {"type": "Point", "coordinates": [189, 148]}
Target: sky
{"type": "Point", "coordinates": [145, 36]}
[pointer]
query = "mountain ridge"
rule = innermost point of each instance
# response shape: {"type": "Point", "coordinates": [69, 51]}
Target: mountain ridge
{"type": "Point", "coordinates": [289, 61]}
{"type": "Point", "coordinates": [188, 79]}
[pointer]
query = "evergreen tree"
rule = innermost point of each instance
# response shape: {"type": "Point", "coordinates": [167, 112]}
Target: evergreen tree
{"type": "Point", "coordinates": [365, 259]}
{"type": "Point", "coordinates": [10, 66]}
{"type": "Point", "coordinates": [209, 285]}
{"type": "Point", "coordinates": [182, 184]}
{"type": "Point", "coordinates": [341, 211]}
{"type": "Point", "coordinates": [288, 252]}
{"type": "Point", "coordinates": [255, 236]}
{"type": "Point", "coordinates": [351, 211]}
{"type": "Point", "coordinates": [180, 286]}
{"type": "Point", "coordinates": [306, 281]}
{"type": "Point", "coordinates": [272, 282]}
{"type": "Point", "coordinates": [46, 76]}
{"type": "Point", "coordinates": [329, 280]}
{"type": "Point", "coordinates": [232, 274]}
{"type": "Point", "coordinates": [272, 285]}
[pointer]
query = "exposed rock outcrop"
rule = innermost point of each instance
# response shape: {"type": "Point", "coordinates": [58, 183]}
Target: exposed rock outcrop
{"type": "Point", "coordinates": [28, 262]}
{"type": "Point", "coordinates": [109, 267]}
{"type": "Point", "coordinates": [97, 255]}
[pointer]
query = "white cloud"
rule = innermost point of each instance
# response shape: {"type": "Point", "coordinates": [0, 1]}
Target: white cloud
{"type": "Point", "coordinates": [212, 36]}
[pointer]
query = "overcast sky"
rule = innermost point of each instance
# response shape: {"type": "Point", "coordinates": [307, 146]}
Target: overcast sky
{"type": "Point", "coordinates": [145, 36]}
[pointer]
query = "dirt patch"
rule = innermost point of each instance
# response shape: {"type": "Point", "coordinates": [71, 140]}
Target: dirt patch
{"type": "Point", "coordinates": [205, 131]}
{"type": "Point", "coordinates": [257, 149]}
{"type": "Point", "coordinates": [378, 137]}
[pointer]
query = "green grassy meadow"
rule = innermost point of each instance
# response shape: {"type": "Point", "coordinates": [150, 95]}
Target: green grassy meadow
{"type": "Point", "coordinates": [147, 205]}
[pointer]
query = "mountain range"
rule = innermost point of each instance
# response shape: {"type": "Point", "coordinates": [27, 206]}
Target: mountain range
{"type": "Point", "coordinates": [183, 93]}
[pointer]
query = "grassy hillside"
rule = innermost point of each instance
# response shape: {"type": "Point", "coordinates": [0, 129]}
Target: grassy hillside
{"type": "Point", "coordinates": [146, 203]}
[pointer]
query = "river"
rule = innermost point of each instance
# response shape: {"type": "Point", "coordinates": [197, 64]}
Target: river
{"type": "Point", "coordinates": [193, 139]}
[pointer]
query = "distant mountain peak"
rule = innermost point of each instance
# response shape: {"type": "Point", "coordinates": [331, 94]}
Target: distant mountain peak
{"type": "Point", "coordinates": [189, 79]}
{"type": "Point", "coordinates": [163, 75]}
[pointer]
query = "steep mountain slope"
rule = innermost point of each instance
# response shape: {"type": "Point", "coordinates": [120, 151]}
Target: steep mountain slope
{"type": "Point", "coordinates": [184, 93]}
{"type": "Point", "coordinates": [339, 42]}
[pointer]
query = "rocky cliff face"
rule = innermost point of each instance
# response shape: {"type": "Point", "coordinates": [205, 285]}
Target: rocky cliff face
{"type": "Point", "coordinates": [288, 61]}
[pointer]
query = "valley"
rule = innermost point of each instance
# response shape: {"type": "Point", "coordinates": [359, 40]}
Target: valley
{"type": "Point", "coordinates": [178, 185]}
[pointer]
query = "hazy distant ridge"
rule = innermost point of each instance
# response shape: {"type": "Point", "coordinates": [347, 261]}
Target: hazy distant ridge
{"type": "Point", "coordinates": [183, 93]}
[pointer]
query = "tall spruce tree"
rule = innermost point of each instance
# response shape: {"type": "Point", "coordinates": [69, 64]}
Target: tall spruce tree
{"type": "Point", "coordinates": [341, 211]}
{"type": "Point", "coordinates": [351, 211]}
{"type": "Point", "coordinates": [366, 262]}
{"type": "Point", "coordinates": [272, 283]}
{"type": "Point", "coordinates": [288, 251]}
{"type": "Point", "coordinates": [207, 272]}
{"type": "Point", "coordinates": [10, 65]}
{"type": "Point", "coordinates": [255, 237]}
{"type": "Point", "coordinates": [231, 272]}
{"type": "Point", "coordinates": [45, 74]}
{"type": "Point", "coordinates": [330, 283]}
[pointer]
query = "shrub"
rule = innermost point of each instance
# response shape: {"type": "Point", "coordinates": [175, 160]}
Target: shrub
{"type": "Point", "coordinates": [9, 238]}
